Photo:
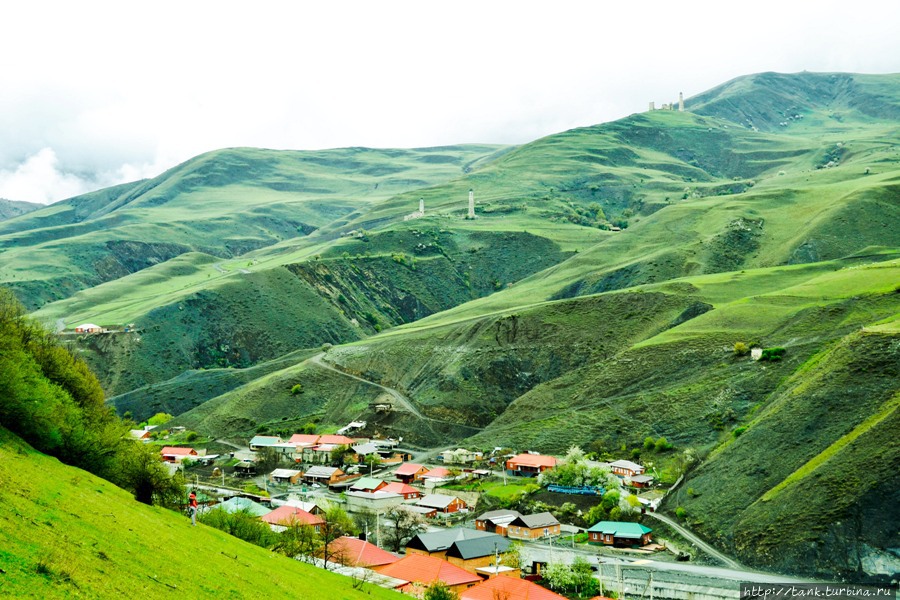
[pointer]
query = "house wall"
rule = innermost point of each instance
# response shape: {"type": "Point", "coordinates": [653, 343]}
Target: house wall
{"type": "Point", "coordinates": [442, 554]}
{"type": "Point", "coordinates": [523, 533]}
{"type": "Point", "coordinates": [473, 563]}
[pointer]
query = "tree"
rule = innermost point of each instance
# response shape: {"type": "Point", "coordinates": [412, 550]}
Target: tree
{"type": "Point", "coordinates": [514, 555]}
{"type": "Point", "coordinates": [339, 455]}
{"type": "Point", "coordinates": [297, 388]}
{"type": "Point", "coordinates": [337, 524]}
{"type": "Point", "coordinates": [142, 472]}
{"type": "Point", "coordinates": [439, 591]}
{"type": "Point", "coordinates": [299, 539]}
{"type": "Point", "coordinates": [400, 526]}
{"type": "Point", "coordinates": [241, 524]}
{"type": "Point", "coordinates": [268, 458]}
{"type": "Point", "coordinates": [372, 461]}
{"type": "Point", "coordinates": [159, 418]}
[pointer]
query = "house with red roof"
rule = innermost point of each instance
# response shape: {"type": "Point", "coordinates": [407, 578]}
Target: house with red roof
{"type": "Point", "coordinates": [291, 516]}
{"type": "Point", "coordinates": [353, 552]}
{"type": "Point", "coordinates": [407, 491]}
{"type": "Point", "coordinates": [508, 587]}
{"type": "Point", "coordinates": [410, 472]}
{"type": "Point", "coordinates": [436, 474]}
{"type": "Point", "coordinates": [529, 465]}
{"type": "Point", "coordinates": [174, 454]}
{"type": "Point", "coordinates": [422, 571]}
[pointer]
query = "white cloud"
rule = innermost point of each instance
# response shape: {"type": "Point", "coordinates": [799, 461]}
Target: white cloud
{"type": "Point", "coordinates": [39, 179]}
{"type": "Point", "coordinates": [118, 90]}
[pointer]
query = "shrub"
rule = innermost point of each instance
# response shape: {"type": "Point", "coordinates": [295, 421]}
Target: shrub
{"type": "Point", "coordinates": [737, 431]}
{"type": "Point", "coordinates": [772, 354]}
{"type": "Point", "coordinates": [648, 443]}
{"type": "Point", "coordinates": [297, 388]}
{"type": "Point", "coordinates": [741, 349]}
{"type": "Point", "coordinates": [680, 513]}
{"type": "Point", "coordinates": [191, 436]}
{"type": "Point", "coordinates": [662, 444]}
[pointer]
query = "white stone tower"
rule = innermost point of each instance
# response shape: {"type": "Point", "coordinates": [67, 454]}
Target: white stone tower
{"type": "Point", "coordinates": [422, 205]}
{"type": "Point", "coordinates": [471, 214]}
{"type": "Point", "coordinates": [652, 105]}
{"type": "Point", "coordinates": [680, 102]}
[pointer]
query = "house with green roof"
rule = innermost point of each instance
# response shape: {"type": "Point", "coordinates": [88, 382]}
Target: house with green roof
{"type": "Point", "coordinates": [238, 504]}
{"type": "Point", "coordinates": [619, 533]}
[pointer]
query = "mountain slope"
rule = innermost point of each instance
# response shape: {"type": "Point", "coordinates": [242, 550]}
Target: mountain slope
{"type": "Point", "coordinates": [65, 533]}
{"type": "Point", "coordinates": [223, 203]}
{"type": "Point", "coordinates": [15, 208]}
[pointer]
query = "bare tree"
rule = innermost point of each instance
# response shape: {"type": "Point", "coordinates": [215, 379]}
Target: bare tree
{"type": "Point", "coordinates": [401, 525]}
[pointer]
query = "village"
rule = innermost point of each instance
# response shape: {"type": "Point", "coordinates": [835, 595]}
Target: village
{"type": "Point", "coordinates": [450, 518]}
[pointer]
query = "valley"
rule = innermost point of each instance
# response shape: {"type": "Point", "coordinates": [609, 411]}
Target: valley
{"type": "Point", "coordinates": [619, 282]}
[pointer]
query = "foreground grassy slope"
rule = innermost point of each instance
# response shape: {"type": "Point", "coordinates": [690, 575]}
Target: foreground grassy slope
{"type": "Point", "coordinates": [67, 534]}
{"type": "Point", "coordinates": [223, 203]}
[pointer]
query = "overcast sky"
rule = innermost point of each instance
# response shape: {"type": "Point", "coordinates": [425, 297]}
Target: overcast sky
{"type": "Point", "coordinates": [95, 93]}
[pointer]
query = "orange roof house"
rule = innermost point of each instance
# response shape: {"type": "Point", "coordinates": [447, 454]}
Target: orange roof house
{"type": "Point", "coordinates": [410, 472]}
{"type": "Point", "coordinates": [407, 491]}
{"type": "Point", "coordinates": [288, 516]}
{"type": "Point", "coordinates": [174, 454]}
{"type": "Point", "coordinates": [425, 570]}
{"type": "Point", "coordinates": [509, 587]}
{"type": "Point", "coordinates": [351, 551]}
{"type": "Point", "coordinates": [529, 465]}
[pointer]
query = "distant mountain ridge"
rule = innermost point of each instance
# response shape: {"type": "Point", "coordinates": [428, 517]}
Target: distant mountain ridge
{"type": "Point", "coordinates": [15, 208]}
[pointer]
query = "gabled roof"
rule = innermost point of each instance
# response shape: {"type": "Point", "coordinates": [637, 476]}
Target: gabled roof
{"type": "Point", "coordinates": [365, 449]}
{"type": "Point", "coordinates": [321, 472]}
{"type": "Point", "coordinates": [505, 515]}
{"type": "Point", "coordinates": [306, 439]}
{"type": "Point", "coordinates": [533, 460]}
{"type": "Point", "coordinates": [291, 515]}
{"type": "Point", "coordinates": [366, 483]}
{"type": "Point", "coordinates": [175, 451]}
{"type": "Point", "coordinates": [535, 521]}
{"type": "Point", "coordinates": [238, 504]}
{"type": "Point", "coordinates": [139, 434]}
{"type": "Point", "coordinates": [437, 473]}
{"type": "Point", "coordinates": [626, 464]}
{"type": "Point", "coordinates": [436, 501]}
{"type": "Point", "coordinates": [408, 469]}
{"type": "Point", "coordinates": [265, 440]}
{"type": "Point", "coordinates": [508, 587]}
{"type": "Point", "coordinates": [642, 478]}
{"type": "Point", "coordinates": [359, 553]}
{"type": "Point", "coordinates": [436, 541]}
{"type": "Point", "coordinates": [621, 529]}
{"type": "Point", "coordinates": [398, 487]}
{"type": "Point", "coordinates": [478, 547]}
{"type": "Point", "coordinates": [285, 473]}
{"type": "Point", "coordinates": [338, 440]}
{"type": "Point", "coordinates": [427, 569]}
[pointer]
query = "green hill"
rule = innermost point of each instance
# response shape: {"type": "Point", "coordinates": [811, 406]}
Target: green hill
{"type": "Point", "coordinates": [596, 299]}
{"type": "Point", "coordinates": [223, 203]}
{"type": "Point", "coordinates": [14, 208]}
{"type": "Point", "coordinates": [65, 533]}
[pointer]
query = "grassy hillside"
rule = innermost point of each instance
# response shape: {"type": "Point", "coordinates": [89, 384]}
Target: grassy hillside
{"type": "Point", "coordinates": [223, 203]}
{"type": "Point", "coordinates": [14, 208]}
{"type": "Point", "coordinates": [67, 534]}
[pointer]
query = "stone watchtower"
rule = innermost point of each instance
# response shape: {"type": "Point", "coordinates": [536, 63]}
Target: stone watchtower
{"type": "Point", "coordinates": [422, 205]}
{"type": "Point", "coordinates": [471, 214]}
{"type": "Point", "coordinates": [680, 102]}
